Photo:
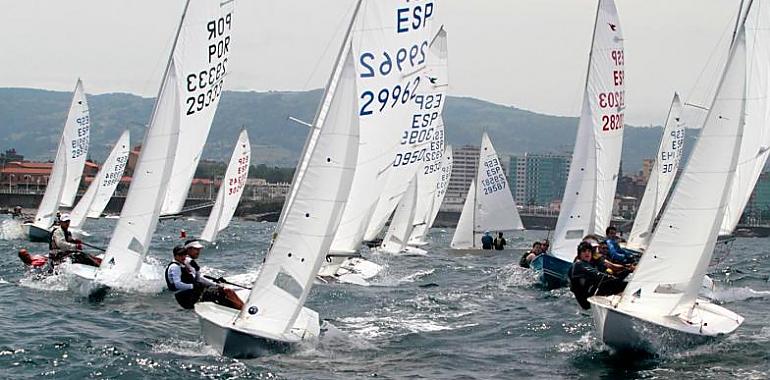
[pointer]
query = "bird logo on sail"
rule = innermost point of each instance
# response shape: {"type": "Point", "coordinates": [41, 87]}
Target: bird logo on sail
{"type": "Point", "coordinates": [613, 27]}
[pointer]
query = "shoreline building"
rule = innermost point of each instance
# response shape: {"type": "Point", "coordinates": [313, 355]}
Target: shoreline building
{"type": "Point", "coordinates": [538, 179]}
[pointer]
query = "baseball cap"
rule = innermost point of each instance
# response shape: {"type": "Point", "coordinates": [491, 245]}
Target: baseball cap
{"type": "Point", "coordinates": [64, 218]}
{"type": "Point", "coordinates": [193, 244]}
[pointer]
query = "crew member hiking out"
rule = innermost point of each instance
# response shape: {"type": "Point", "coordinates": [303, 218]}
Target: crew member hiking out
{"type": "Point", "coordinates": [527, 257]}
{"type": "Point", "coordinates": [189, 286]}
{"type": "Point", "coordinates": [61, 245]}
{"type": "Point", "coordinates": [586, 281]}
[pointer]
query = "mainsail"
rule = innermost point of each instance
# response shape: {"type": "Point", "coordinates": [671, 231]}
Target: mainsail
{"type": "Point", "coordinates": [103, 186]}
{"type": "Point", "coordinates": [590, 191]}
{"type": "Point", "coordinates": [204, 24]}
{"type": "Point", "coordinates": [755, 144]}
{"type": "Point", "coordinates": [417, 137]}
{"type": "Point", "coordinates": [662, 177]}
{"type": "Point", "coordinates": [389, 81]}
{"type": "Point", "coordinates": [201, 57]}
{"type": "Point", "coordinates": [669, 275]}
{"type": "Point", "coordinates": [319, 193]}
{"type": "Point", "coordinates": [428, 178]}
{"type": "Point", "coordinates": [71, 154]}
{"type": "Point", "coordinates": [230, 190]}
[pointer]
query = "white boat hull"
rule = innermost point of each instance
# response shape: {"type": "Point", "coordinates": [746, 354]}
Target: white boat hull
{"type": "Point", "coordinates": [633, 331]}
{"type": "Point", "coordinates": [220, 333]}
{"type": "Point", "coordinates": [350, 270]}
{"type": "Point", "coordinates": [86, 283]}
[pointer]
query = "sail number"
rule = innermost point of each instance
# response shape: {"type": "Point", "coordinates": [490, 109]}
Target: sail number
{"type": "Point", "coordinates": [385, 97]}
{"type": "Point", "coordinates": [235, 185]}
{"type": "Point", "coordinates": [205, 86]}
{"type": "Point", "coordinates": [113, 177]}
{"type": "Point", "coordinates": [79, 144]}
{"type": "Point", "coordinates": [384, 64]}
{"type": "Point", "coordinates": [612, 122]}
{"type": "Point", "coordinates": [413, 18]}
{"type": "Point", "coordinates": [409, 157]}
{"type": "Point", "coordinates": [495, 180]}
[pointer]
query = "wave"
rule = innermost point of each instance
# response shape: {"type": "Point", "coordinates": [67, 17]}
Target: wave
{"type": "Point", "coordinates": [10, 229]}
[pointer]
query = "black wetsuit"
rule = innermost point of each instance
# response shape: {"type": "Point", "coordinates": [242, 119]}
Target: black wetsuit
{"type": "Point", "coordinates": [586, 281]}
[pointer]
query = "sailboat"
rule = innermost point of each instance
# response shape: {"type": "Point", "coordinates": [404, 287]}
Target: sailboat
{"type": "Point", "coordinates": [661, 178]}
{"type": "Point", "coordinates": [176, 108]}
{"type": "Point", "coordinates": [95, 199]}
{"type": "Point", "coordinates": [435, 198]}
{"type": "Point", "coordinates": [274, 316]}
{"type": "Point", "coordinates": [755, 144]}
{"type": "Point", "coordinates": [402, 223]}
{"type": "Point", "coordinates": [662, 296]}
{"type": "Point", "coordinates": [230, 190]}
{"type": "Point", "coordinates": [382, 121]}
{"type": "Point", "coordinates": [67, 168]}
{"type": "Point", "coordinates": [489, 205]}
{"type": "Point", "coordinates": [586, 207]}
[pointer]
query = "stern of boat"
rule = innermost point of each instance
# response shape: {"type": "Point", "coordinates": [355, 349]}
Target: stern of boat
{"type": "Point", "coordinates": [219, 332]}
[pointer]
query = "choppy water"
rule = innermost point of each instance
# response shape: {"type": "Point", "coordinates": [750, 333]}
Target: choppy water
{"type": "Point", "coordinates": [484, 319]}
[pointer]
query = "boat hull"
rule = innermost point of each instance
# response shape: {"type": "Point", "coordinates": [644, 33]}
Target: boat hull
{"type": "Point", "coordinates": [626, 331]}
{"type": "Point", "coordinates": [35, 234]}
{"type": "Point", "coordinates": [552, 271]}
{"type": "Point", "coordinates": [349, 270]}
{"type": "Point", "coordinates": [220, 333]}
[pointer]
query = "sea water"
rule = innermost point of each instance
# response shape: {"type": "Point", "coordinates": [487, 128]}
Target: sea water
{"type": "Point", "coordinates": [442, 316]}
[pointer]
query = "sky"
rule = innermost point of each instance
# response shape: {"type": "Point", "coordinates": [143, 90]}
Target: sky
{"type": "Point", "coordinates": [530, 54]}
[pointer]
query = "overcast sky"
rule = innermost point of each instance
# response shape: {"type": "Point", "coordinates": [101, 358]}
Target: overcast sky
{"type": "Point", "coordinates": [530, 54]}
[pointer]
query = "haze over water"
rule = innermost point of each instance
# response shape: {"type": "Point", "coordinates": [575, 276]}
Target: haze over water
{"type": "Point", "coordinates": [441, 316]}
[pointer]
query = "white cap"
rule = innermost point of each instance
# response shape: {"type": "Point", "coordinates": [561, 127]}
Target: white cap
{"type": "Point", "coordinates": [64, 218]}
{"type": "Point", "coordinates": [194, 244]}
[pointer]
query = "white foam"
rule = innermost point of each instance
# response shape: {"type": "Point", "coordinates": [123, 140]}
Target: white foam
{"type": "Point", "coordinates": [10, 229]}
{"type": "Point", "coordinates": [2, 281]}
{"type": "Point", "coordinates": [183, 348]}
{"type": "Point", "coordinates": [735, 294]}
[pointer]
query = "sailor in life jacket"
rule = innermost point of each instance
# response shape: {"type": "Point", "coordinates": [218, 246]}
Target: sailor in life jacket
{"type": "Point", "coordinates": [36, 262]}
{"type": "Point", "coordinates": [183, 280]}
{"type": "Point", "coordinates": [60, 243]}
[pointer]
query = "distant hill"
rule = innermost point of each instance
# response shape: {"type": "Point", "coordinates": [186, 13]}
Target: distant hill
{"type": "Point", "coordinates": [31, 120]}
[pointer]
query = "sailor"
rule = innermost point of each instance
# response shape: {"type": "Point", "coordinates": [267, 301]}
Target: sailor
{"type": "Point", "coordinates": [586, 281]}
{"type": "Point", "coordinates": [616, 254]}
{"type": "Point", "coordinates": [527, 257]}
{"type": "Point", "coordinates": [183, 276]}
{"type": "Point", "coordinates": [61, 244]}
{"type": "Point", "coordinates": [603, 264]}
{"type": "Point", "coordinates": [499, 242]}
{"type": "Point", "coordinates": [486, 241]}
{"type": "Point", "coordinates": [545, 246]}
{"type": "Point", "coordinates": [17, 212]}
{"type": "Point", "coordinates": [34, 262]}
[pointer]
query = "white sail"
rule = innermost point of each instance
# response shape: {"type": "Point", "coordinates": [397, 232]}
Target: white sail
{"type": "Point", "coordinates": [70, 158]}
{"type": "Point", "coordinates": [496, 209]}
{"type": "Point", "coordinates": [428, 180]}
{"type": "Point", "coordinates": [402, 223]}
{"type": "Point", "coordinates": [465, 236]}
{"type": "Point", "coordinates": [669, 275]}
{"type": "Point", "coordinates": [320, 193]}
{"type": "Point", "coordinates": [388, 84]}
{"type": "Point", "coordinates": [139, 217]}
{"type": "Point", "coordinates": [755, 145]}
{"type": "Point", "coordinates": [590, 191]}
{"type": "Point", "coordinates": [417, 142]}
{"type": "Point", "coordinates": [230, 190]}
{"type": "Point", "coordinates": [201, 55]}
{"type": "Point", "coordinates": [661, 178]}
{"type": "Point", "coordinates": [77, 133]}
{"type": "Point", "coordinates": [104, 184]}
{"type": "Point", "coordinates": [46, 211]}
{"type": "Point", "coordinates": [443, 183]}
